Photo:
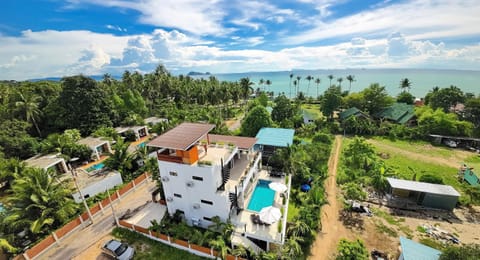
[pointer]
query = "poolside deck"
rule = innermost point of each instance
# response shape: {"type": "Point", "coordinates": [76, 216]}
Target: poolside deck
{"type": "Point", "coordinates": [90, 164]}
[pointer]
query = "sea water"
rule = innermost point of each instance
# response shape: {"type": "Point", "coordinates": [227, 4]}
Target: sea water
{"type": "Point", "coordinates": [422, 80]}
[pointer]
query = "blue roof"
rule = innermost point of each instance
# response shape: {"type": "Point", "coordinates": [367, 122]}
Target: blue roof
{"type": "Point", "coordinates": [412, 250]}
{"type": "Point", "coordinates": [279, 137]}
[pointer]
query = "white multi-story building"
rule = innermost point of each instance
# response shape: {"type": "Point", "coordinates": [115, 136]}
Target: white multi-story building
{"type": "Point", "coordinates": [205, 175]}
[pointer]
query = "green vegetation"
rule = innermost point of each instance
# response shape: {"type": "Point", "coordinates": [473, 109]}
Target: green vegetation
{"type": "Point", "coordinates": [432, 243]}
{"type": "Point", "coordinates": [351, 250]}
{"type": "Point", "coordinates": [385, 229]}
{"type": "Point", "coordinates": [146, 248]}
{"type": "Point", "coordinates": [465, 252]}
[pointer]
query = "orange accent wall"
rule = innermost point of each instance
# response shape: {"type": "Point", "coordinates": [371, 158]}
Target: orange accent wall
{"type": "Point", "coordinates": [190, 156]}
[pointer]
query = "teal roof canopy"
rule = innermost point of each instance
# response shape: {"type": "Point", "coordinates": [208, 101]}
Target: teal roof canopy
{"type": "Point", "coordinates": [412, 250]}
{"type": "Point", "coordinates": [278, 137]}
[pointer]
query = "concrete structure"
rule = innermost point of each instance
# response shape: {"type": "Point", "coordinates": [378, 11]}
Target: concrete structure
{"type": "Point", "coordinates": [411, 250]}
{"type": "Point", "coordinates": [91, 185]}
{"type": "Point", "coordinates": [139, 131]}
{"type": "Point", "coordinates": [425, 194]}
{"type": "Point", "coordinates": [202, 180]}
{"type": "Point", "coordinates": [155, 120]}
{"type": "Point", "coordinates": [97, 145]}
{"type": "Point", "coordinates": [46, 162]}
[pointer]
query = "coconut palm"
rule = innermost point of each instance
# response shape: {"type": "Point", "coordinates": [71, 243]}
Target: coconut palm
{"type": "Point", "coordinates": [292, 249]}
{"type": "Point", "coordinates": [291, 76]}
{"type": "Point", "coordinates": [405, 85]}
{"type": "Point", "coordinates": [318, 81]}
{"type": "Point", "coordinates": [121, 160]}
{"type": "Point", "coordinates": [339, 80]}
{"type": "Point", "coordinates": [330, 77]}
{"type": "Point", "coordinates": [268, 83]}
{"type": "Point", "coordinates": [295, 83]}
{"type": "Point", "coordinates": [40, 201]}
{"type": "Point", "coordinates": [350, 78]}
{"type": "Point", "coordinates": [298, 84]}
{"type": "Point", "coordinates": [298, 228]}
{"type": "Point", "coordinates": [261, 82]}
{"type": "Point", "coordinates": [239, 251]}
{"type": "Point", "coordinates": [28, 105]}
{"type": "Point", "coordinates": [246, 86]}
{"type": "Point", "coordinates": [309, 78]}
{"type": "Point", "coordinates": [219, 245]}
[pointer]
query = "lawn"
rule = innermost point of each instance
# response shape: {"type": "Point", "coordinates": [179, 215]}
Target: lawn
{"type": "Point", "coordinates": [146, 248]}
{"type": "Point", "coordinates": [419, 147]}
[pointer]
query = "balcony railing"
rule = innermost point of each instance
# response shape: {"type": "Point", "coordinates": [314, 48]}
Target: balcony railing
{"type": "Point", "coordinates": [169, 158]}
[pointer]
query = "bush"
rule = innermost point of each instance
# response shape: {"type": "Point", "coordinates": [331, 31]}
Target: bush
{"type": "Point", "coordinates": [322, 138]}
{"type": "Point", "coordinates": [353, 191]}
{"type": "Point", "coordinates": [349, 250]}
{"type": "Point", "coordinates": [431, 179]}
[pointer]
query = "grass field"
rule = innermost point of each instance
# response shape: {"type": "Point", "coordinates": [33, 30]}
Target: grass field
{"type": "Point", "coordinates": [312, 110]}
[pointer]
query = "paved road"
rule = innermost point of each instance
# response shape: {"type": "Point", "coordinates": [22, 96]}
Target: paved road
{"type": "Point", "coordinates": [82, 239]}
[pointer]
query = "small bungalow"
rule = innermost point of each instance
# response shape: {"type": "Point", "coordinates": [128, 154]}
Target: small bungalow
{"type": "Point", "coordinates": [151, 121]}
{"type": "Point", "coordinates": [411, 250]}
{"type": "Point", "coordinates": [268, 139]}
{"type": "Point", "coordinates": [425, 194]}
{"type": "Point", "coordinates": [46, 162]}
{"type": "Point", "coordinates": [139, 131]}
{"type": "Point", "coordinates": [398, 113]}
{"type": "Point", "coordinates": [97, 145]}
{"type": "Point", "coordinates": [353, 111]}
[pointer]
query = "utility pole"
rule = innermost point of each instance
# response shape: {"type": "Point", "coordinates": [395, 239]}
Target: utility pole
{"type": "Point", "coordinates": [74, 176]}
{"type": "Point", "coordinates": [113, 210]}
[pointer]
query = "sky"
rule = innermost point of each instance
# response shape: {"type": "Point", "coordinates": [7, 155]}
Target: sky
{"type": "Point", "coordinates": [55, 38]}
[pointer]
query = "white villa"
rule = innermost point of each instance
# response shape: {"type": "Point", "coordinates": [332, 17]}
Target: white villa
{"type": "Point", "coordinates": [97, 145]}
{"type": "Point", "coordinates": [46, 162]}
{"type": "Point", "coordinates": [205, 175]}
{"type": "Point", "coordinates": [140, 131]}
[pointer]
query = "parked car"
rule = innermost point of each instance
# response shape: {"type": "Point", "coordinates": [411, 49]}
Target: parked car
{"type": "Point", "coordinates": [118, 250]}
{"type": "Point", "coordinates": [450, 143]}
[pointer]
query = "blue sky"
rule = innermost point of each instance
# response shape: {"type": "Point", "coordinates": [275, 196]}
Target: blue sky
{"type": "Point", "coordinates": [47, 38]}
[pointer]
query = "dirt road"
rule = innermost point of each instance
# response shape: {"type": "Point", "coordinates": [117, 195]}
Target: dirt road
{"type": "Point", "coordinates": [332, 229]}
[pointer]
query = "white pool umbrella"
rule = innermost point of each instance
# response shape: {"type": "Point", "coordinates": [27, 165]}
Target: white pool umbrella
{"type": "Point", "coordinates": [277, 186]}
{"type": "Point", "coordinates": [270, 214]}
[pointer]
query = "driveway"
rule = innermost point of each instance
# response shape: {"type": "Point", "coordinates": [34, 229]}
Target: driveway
{"type": "Point", "coordinates": [82, 239]}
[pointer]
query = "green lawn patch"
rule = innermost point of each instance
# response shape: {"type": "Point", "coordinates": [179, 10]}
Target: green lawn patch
{"type": "Point", "coordinates": [312, 110]}
{"type": "Point", "coordinates": [418, 147]}
{"type": "Point", "coordinates": [432, 243]}
{"type": "Point", "coordinates": [146, 248]}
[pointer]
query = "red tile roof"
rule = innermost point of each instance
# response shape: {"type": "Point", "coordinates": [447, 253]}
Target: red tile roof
{"type": "Point", "coordinates": [239, 141]}
{"type": "Point", "coordinates": [182, 137]}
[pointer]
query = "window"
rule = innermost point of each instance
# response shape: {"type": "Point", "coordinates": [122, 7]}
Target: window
{"type": "Point", "coordinates": [208, 219]}
{"type": "Point", "coordinates": [173, 174]}
{"type": "Point", "coordinates": [177, 195]}
{"type": "Point", "coordinates": [207, 202]}
{"type": "Point", "coordinates": [197, 178]}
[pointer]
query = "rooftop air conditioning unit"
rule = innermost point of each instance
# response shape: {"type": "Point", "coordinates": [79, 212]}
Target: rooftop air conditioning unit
{"type": "Point", "coordinates": [169, 199]}
{"type": "Point", "coordinates": [190, 184]}
{"type": "Point", "coordinates": [196, 206]}
{"type": "Point", "coordinates": [165, 179]}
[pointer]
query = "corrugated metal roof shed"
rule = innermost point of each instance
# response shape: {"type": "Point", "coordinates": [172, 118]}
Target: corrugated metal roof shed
{"type": "Point", "coordinates": [398, 112]}
{"type": "Point", "coordinates": [239, 141]}
{"type": "Point", "coordinates": [279, 137]}
{"type": "Point", "coordinates": [182, 137]}
{"type": "Point", "coordinates": [412, 250]}
{"type": "Point", "coordinates": [423, 187]}
{"type": "Point", "coordinates": [348, 112]}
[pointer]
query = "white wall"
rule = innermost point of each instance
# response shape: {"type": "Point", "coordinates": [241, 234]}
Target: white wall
{"type": "Point", "coordinates": [99, 186]}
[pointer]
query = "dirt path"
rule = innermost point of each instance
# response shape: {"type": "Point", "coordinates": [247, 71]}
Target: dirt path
{"type": "Point", "coordinates": [454, 163]}
{"type": "Point", "coordinates": [332, 229]}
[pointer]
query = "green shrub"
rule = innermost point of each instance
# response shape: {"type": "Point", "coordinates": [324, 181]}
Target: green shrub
{"type": "Point", "coordinates": [430, 178]}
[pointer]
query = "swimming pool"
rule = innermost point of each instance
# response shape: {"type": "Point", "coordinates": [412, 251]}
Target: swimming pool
{"type": "Point", "coordinates": [95, 167]}
{"type": "Point", "coordinates": [141, 145]}
{"type": "Point", "coordinates": [262, 196]}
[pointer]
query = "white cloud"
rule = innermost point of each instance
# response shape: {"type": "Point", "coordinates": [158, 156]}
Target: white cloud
{"type": "Point", "coordinates": [116, 28]}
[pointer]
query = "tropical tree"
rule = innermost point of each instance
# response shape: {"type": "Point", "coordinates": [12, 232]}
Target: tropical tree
{"type": "Point", "coordinates": [219, 245]}
{"type": "Point", "coordinates": [295, 83]}
{"type": "Point", "coordinates": [298, 228]}
{"type": "Point", "coordinates": [318, 81]}
{"type": "Point", "coordinates": [352, 250]}
{"type": "Point", "coordinates": [340, 80]}
{"type": "Point", "coordinates": [466, 252]}
{"type": "Point", "coordinates": [261, 82]}
{"type": "Point", "coordinates": [445, 98]}
{"type": "Point", "coordinates": [268, 83]}
{"type": "Point", "coordinates": [350, 78]}
{"type": "Point", "coordinates": [28, 105]}
{"type": "Point", "coordinates": [330, 77]}
{"type": "Point", "coordinates": [405, 85]}
{"type": "Point", "coordinates": [376, 98]}
{"type": "Point", "coordinates": [239, 251]}
{"type": "Point", "coordinates": [246, 86]}
{"type": "Point", "coordinates": [121, 160]}
{"type": "Point", "coordinates": [4, 245]}
{"type": "Point", "coordinates": [290, 85]}
{"type": "Point", "coordinates": [309, 78]}
{"type": "Point", "coordinates": [40, 201]}
{"type": "Point", "coordinates": [292, 248]}
{"type": "Point", "coordinates": [298, 84]}
{"type": "Point", "coordinates": [257, 118]}
{"type": "Point", "coordinates": [405, 97]}
{"type": "Point", "coordinates": [331, 101]}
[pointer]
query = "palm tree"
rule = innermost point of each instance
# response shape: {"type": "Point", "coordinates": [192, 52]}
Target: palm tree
{"type": "Point", "coordinates": [317, 81]}
{"type": "Point", "coordinates": [291, 76]}
{"type": "Point", "coordinates": [298, 228]}
{"type": "Point", "coordinates": [28, 104]}
{"type": "Point", "coordinates": [268, 83]}
{"type": "Point", "coordinates": [405, 85]}
{"type": "Point", "coordinates": [340, 81]}
{"type": "Point", "coordinates": [246, 86]}
{"type": "Point", "coordinates": [309, 78]}
{"type": "Point", "coordinates": [260, 82]}
{"type": "Point", "coordinates": [40, 201]}
{"type": "Point", "coordinates": [295, 83]}
{"type": "Point", "coordinates": [298, 82]}
{"type": "Point", "coordinates": [121, 160]}
{"type": "Point", "coordinates": [330, 77]}
{"type": "Point", "coordinates": [292, 249]}
{"type": "Point", "coordinates": [350, 79]}
{"type": "Point", "coordinates": [239, 251]}
{"type": "Point", "coordinates": [219, 245]}
{"type": "Point", "coordinates": [4, 245]}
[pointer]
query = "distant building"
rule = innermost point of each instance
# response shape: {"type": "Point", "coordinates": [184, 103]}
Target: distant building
{"type": "Point", "coordinates": [398, 113]}
{"type": "Point", "coordinates": [425, 194]}
{"type": "Point", "coordinates": [269, 139]}
{"type": "Point", "coordinates": [97, 145]}
{"type": "Point", "coordinates": [139, 131]}
{"type": "Point", "coordinates": [411, 250]}
{"type": "Point", "coordinates": [47, 162]}
{"type": "Point", "coordinates": [353, 111]}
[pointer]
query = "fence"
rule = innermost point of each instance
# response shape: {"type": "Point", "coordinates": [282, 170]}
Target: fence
{"type": "Point", "coordinates": [57, 235]}
{"type": "Point", "coordinates": [177, 243]}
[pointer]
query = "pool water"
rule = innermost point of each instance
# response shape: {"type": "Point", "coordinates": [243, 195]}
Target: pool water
{"type": "Point", "coordinates": [141, 145]}
{"type": "Point", "coordinates": [262, 196]}
{"type": "Point", "coordinates": [95, 167]}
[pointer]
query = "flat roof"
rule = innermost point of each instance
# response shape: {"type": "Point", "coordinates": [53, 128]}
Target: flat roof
{"type": "Point", "coordinates": [412, 250]}
{"type": "Point", "coordinates": [423, 187]}
{"type": "Point", "coordinates": [154, 120]}
{"type": "Point", "coordinates": [122, 129]}
{"type": "Point", "coordinates": [44, 161]}
{"type": "Point", "coordinates": [92, 142]}
{"type": "Point", "coordinates": [239, 141]}
{"type": "Point", "coordinates": [182, 137]}
{"type": "Point", "coordinates": [279, 137]}
{"type": "Point", "coordinates": [464, 138]}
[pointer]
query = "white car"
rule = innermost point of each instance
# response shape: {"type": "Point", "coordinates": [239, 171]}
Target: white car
{"type": "Point", "coordinates": [118, 250]}
{"type": "Point", "coordinates": [450, 143]}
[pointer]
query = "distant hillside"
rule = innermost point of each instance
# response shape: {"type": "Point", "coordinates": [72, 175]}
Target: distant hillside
{"type": "Point", "coordinates": [195, 73]}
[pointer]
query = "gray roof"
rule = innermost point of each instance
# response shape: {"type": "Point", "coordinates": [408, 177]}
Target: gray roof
{"type": "Point", "coordinates": [423, 187]}
{"type": "Point", "coordinates": [92, 142]}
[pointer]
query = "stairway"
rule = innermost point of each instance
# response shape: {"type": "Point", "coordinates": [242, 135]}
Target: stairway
{"type": "Point", "coordinates": [238, 239]}
{"type": "Point", "coordinates": [225, 176]}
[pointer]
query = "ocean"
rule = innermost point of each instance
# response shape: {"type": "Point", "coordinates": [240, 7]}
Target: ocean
{"type": "Point", "coordinates": [423, 80]}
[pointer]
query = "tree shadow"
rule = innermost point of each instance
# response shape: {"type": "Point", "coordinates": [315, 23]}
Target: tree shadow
{"type": "Point", "coordinates": [351, 220]}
